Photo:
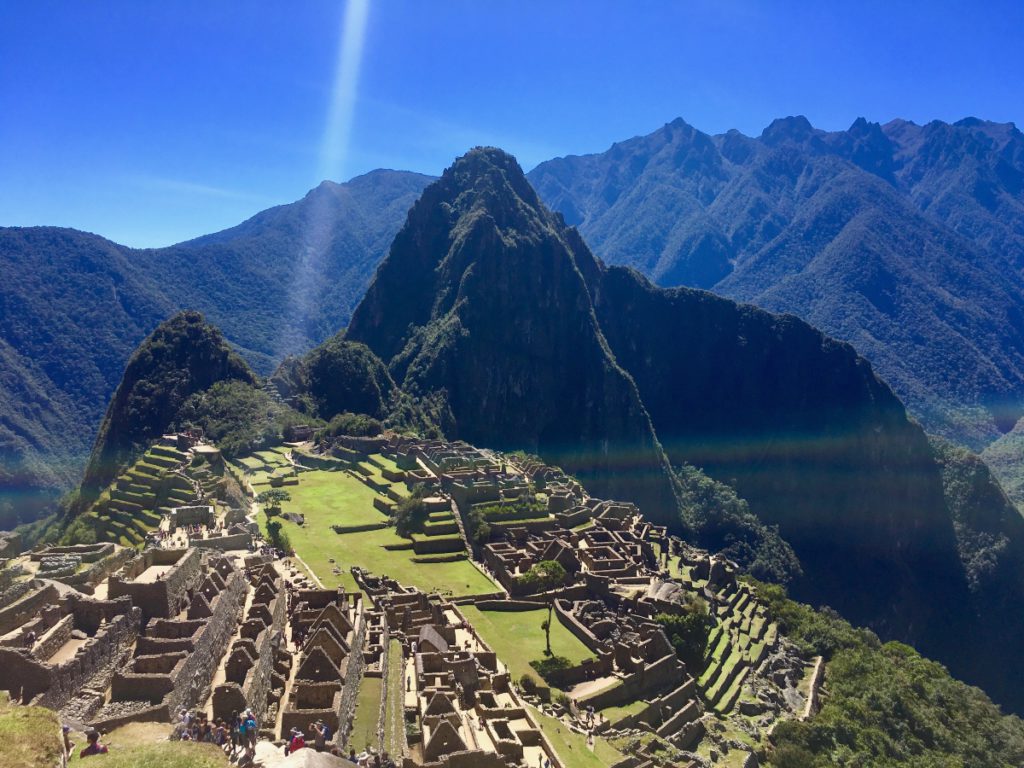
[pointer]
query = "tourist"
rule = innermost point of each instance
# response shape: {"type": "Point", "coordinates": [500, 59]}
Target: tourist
{"type": "Point", "coordinates": [69, 745]}
{"type": "Point", "coordinates": [321, 733]}
{"type": "Point", "coordinates": [352, 756]}
{"type": "Point", "coordinates": [94, 747]}
{"type": "Point", "coordinates": [234, 731]}
{"type": "Point", "coordinates": [251, 732]}
{"type": "Point", "coordinates": [296, 742]}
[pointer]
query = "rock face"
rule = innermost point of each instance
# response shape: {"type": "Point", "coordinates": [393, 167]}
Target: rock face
{"type": "Point", "coordinates": [483, 301]}
{"type": "Point", "coordinates": [184, 355]}
{"type": "Point", "coordinates": [903, 240]}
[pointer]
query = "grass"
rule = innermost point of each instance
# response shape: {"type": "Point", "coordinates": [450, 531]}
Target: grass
{"type": "Point", "coordinates": [614, 714]}
{"type": "Point", "coordinates": [572, 747]}
{"type": "Point", "coordinates": [367, 715]}
{"type": "Point", "coordinates": [180, 754]}
{"type": "Point", "coordinates": [517, 638]}
{"type": "Point", "coordinates": [29, 736]}
{"type": "Point", "coordinates": [328, 498]}
{"type": "Point", "coordinates": [394, 715]}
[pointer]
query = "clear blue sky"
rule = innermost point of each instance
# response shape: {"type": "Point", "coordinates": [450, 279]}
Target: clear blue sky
{"type": "Point", "coordinates": [152, 122]}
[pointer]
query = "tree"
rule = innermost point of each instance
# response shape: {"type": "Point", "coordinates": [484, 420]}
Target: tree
{"type": "Point", "coordinates": [273, 498]}
{"type": "Point", "coordinates": [688, 631]}
{"type": "Point", "coordinates": [543, 577]}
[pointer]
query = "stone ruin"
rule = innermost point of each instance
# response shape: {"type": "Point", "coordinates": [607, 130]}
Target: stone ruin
{"type": "Point", "coordinates": [457, 695]}
{"type": "Point", "coordinates": [258, 662]}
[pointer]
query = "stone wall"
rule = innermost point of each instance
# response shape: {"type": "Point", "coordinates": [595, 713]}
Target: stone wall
{"type": "Point", "coordinates": [663, 673]}
{"type": "Point", "coordinates": [23, 609]}
{"type": "Point", "coordinates": [162, 598]}
{"type": "Point", "coordinates": [54, 638]}
{"type": "Point", "coordinates": [194, 679]}
{"type": "Point", "coordinates": [224, 543]}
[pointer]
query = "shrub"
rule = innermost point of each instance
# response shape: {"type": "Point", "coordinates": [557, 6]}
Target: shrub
{"type": "Point", "coordinates": [528, 684]}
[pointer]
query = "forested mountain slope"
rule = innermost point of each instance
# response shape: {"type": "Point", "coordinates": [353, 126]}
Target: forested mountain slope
{"type": "Point", "coordinates": [73, 306]}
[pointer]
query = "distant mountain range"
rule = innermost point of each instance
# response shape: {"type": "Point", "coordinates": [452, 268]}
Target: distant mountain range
{"type": "Point", "coordinates": [905, 240]}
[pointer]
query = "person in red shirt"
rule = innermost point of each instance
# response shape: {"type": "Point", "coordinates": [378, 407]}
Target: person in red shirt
{"type": "Point", "coordinates": [297, 741]}
{"type": "Point", "coordinates": [93, 747]}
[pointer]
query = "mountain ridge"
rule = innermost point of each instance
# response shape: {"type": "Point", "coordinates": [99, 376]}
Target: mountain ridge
{"type": "Point", "coordinates": [734, 214]}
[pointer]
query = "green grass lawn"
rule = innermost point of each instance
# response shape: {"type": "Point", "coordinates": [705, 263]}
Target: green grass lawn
{"type": "Point", "coordinates": [394, 719]}
{"type": "Point", "coordinates": [517, 638]}
{"type": "Point", "coordinates": [572, 747]}
{"type": "Point", "coordinates": [367, 715]}
{"type": "Point", "coordinates": [29, 736]}
{"type": "Point", "coordinates": [614, 714]}
{"type": "Point", "coordinates": [328, 498]}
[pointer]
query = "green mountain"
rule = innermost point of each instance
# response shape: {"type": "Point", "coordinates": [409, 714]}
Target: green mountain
{"type": "Point", "coordinates": [903, 240]}
{"type": "Point", "coordinates": [73, 306]}
{"type": "Point", "coordinates": [483, 300]}
{"type": "Point", "coordinates": [183, 356]}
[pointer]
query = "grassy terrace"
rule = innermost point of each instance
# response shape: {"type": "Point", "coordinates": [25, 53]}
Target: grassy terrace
{"type": "Point", "coordinates": [517, 638]}
{"type": "Point", "coordinates": [29, 736]}
{"type": "Point", "coordinates": [328, 498]}
{"type": "Point", "coordinates": [394, 715]}
{"type": "Point", "coordinates": [367, 715]}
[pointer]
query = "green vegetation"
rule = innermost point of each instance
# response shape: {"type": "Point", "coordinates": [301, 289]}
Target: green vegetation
{"type": "Point", "coordinates": [887, 705]}
{"type": "Point", "coordinates": [516, 635]}
{"type": "Point", "coordinates": [238, 416]}
{"type": "Point", "coordinates": [29, 736]}
{"type": "Point", "coordinates": [367, 715]}
{"type": "Point", "coordinates": [394, 715]}
{"type": "Point", "coordinates": [572, 747]}
{"type": "Point", "coordinates": [131, 507]}
{"type": "Point", "coordinates": [183, 356]}
{"type": "Point", "coordinates": [721, 521]}
{"type": "Point", "coordinates": [688, 631]}
{"type": "Point", "coordinates": [544, 576]}
{"type": "Point", "coordinates": [356, 424]}
{"type": "Point", "coordinates": [410, 514]}
{"type": "Point", "coordinates": [328, 498]}
{"type": "Point", "coordinates": [337, 377]}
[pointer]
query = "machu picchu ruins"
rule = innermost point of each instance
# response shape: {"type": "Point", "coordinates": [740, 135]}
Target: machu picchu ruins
{"type": "Point", "coordinates": [276, 584]}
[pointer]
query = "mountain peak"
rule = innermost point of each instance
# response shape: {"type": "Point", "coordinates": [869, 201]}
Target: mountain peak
{"type": "Point", "coordinates": [794, 128]}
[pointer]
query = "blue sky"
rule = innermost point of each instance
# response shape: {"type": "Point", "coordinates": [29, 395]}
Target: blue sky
{"type": "Point", "coordinates": [153, 122]}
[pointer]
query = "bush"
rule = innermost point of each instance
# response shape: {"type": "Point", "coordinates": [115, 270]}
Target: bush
{"type": "Point", "coordinates": [353, 424]}
{"type": "Point", "coordinates": [528, 684]}
{"type": "Point", "coordinates": [410, 514]}
{"type": "Point", "coordinates": [543, 576]}
{"type": "Point", "coordinates": [688, 631]}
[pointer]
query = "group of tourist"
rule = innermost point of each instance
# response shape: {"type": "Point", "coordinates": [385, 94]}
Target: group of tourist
{"type": "Point", "coordinates": [236, 735]}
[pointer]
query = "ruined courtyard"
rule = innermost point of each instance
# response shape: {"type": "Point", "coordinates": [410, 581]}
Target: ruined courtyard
{"type": "Point", "coordinates": [429, 647]}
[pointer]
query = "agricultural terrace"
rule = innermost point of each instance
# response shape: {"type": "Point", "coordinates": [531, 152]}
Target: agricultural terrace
{"type": "Point", "coordinates": [326, 498]}
{"type": "Point", "coordinates": [518, 639]}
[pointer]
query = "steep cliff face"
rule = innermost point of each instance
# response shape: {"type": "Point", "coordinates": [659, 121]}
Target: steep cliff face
{"type": "Point", "coordinates": [184, 355]}
{"type": "Point", "coordinates": [483, 300]}
{"type": "Point", "coordinates": [802, 428]}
